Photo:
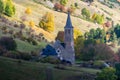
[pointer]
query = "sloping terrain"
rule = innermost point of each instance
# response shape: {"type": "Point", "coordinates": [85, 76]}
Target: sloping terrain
{"type": "Point", "coordinates": [39, 10]}
{"type": "Point", "coordinates": [12, 69]}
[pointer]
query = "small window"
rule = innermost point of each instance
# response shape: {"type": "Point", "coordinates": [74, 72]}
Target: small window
{"type": "Point", "coordinates": [68, 31]}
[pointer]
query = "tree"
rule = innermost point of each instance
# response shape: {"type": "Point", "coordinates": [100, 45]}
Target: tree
{"type": "Point", "coordinates": [118, 55]}
{"type": "Point", "coordinates": [98, 34]}
{"type": "Point", "coordinates": [28, 11]}
{"type": "Point", "coordinates": [77, 33]}
{"type": "Point", "coordinates": [79, 44]}
{"type": "Point", "coordinates": [60, 36]}
{"type": "Point", "coordinates": [47, 22]}
{"type": "Point", "coordinates": [103, 52]}
{"type": "Point", "coordinates": [117, 67]}
{"type": "Point", "coordinates": [87, 53]}
{"type": "Point", "coordinates": [9, 8]}
{"type": "Point", "coordinates": [117, 30]}
{"type": "Point", "coordinates": [1, 6]}
{"type": "Point", "coordinates": [85, 13]}
{"type": "Point", "coordinates": [107, 74]}
{"type": "Point", "coordinates": [31, 24]}
{"type": "Point", "coordinates": [98, 18]}
{"type": "Point", "coordinates": [63, 2]}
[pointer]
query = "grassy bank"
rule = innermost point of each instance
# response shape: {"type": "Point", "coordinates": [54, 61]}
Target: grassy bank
{"type": "Point", "coordinates": [12, 69]}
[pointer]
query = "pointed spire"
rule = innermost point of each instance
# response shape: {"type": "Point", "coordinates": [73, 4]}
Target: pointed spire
{"type": "Point", "coordinates": [68, 22]}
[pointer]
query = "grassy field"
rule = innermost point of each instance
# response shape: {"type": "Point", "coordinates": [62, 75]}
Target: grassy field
{"type": "Point", "coordinates": [26, 47]}
{"type": "Point", "coordinates": [11, 69]}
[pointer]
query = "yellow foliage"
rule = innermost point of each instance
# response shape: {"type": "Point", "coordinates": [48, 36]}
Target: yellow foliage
{"type": "Point", "coordinates": [31, 23]}
{"type": "Point", "coordinates": [77, 33]}
{"type": "Point", "coordinates": [94, 16]}
{"type": "Point", "coordinates": [47, 23]}
{"type": "Point", "coordinates": [50, 27]}
{"type": "Point", "coordinates": [28, 11]}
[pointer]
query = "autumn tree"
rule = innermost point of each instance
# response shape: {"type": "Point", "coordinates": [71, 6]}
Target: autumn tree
{"type": "Point", "coordinates": [9, 8]}
{"type": "Point", "coordinates": [77, 33]}
{"type": "Point", "coordinates": [60, 36]}
{"type": "Point", "coordinates": [103, 52]}
{"type": "Point", "coordinates": [98, 18]}
{"type": "Point", "coordinates": [28, 11]}
{"type": "Point", "coordinates": [47, 22]}
{"type": "Point", "coordinates": [31, 24]}
{"type": "Point", "coordinates": [79, 44]}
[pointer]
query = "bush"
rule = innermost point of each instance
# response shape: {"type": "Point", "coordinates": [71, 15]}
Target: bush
{"type": "Point", "coordinates": [50, 59]}
{"type": "Point", "coordinates": [8, 43]}
{"type": "Point", "coordinates": [63, 2]}
{"type": "Point", "coordinates": [85, 13]}
{"type": "Point", "coordinates": [107, 74]}
{"type": "Point", "coordinates": [28, 11]}
{"type": "Point", "coordinates": [25, 56]}
{"type": "Point", "coordinates": [98, 64]}
{"type": "Point", "coordinates": [12, 54]}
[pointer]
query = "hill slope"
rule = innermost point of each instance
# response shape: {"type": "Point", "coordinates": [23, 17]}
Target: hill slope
{"type": "Point", "coordinates": [11, 69]}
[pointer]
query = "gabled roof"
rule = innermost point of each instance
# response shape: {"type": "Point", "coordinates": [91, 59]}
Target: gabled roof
{"type": "Point", "coordinates": [68, 22]}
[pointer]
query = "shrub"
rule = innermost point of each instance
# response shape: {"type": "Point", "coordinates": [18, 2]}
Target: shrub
{"type": "Point", "coordinates": [28, 11]}
{"type": "Point", "coordinates": [8, 43]}
{"type": "Point", "coordinates": [9, 8]}
{"type": "Point", "coordinates": [31, 24]}
{"type": "Point", "coordinates": [50, 59]}
{"type": "Point", "coordinates": [25, 56]}
{"type": "Point", "coordinates": [63, 2]}
{"type": "Point", "coordinates": [98, 64]}
{"type": "Point", "coordinates": [107, 74]}
{"type": "Point", "coordinates": [85, 13]}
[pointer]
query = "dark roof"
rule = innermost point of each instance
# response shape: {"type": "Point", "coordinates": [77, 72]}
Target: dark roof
{"type": "Point", "coordinates": [68, 22]}
{"type": "Point", "coordinates": [63, 44]}
{"type": "Point", "coordinates": [49, 51]}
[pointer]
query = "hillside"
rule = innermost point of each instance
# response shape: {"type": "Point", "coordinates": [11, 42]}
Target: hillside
{"type": "Point", "coordinates": [11, 69]}
{"type": "Point", "coordinates": [38, 10]}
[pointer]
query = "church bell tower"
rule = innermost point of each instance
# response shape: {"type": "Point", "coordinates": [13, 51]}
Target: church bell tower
{"type": "Point", "coordinates": [69, 40]}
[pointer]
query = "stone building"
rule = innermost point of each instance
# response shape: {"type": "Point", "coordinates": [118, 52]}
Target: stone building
{"type": "Point", "coordinates": [65, 51]}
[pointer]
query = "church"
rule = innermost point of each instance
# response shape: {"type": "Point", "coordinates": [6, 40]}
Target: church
{"type": "Point", "coordinates": [64, 51]}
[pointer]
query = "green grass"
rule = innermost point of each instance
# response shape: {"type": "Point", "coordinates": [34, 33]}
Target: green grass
{"type": "Point", "coordinates": [11, 69]}
{"type": "Point", "coordinates": [26, 47]}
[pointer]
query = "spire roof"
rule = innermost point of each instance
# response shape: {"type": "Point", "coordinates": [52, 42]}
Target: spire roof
{"type": "Point", "coordinates": [68, 22]}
